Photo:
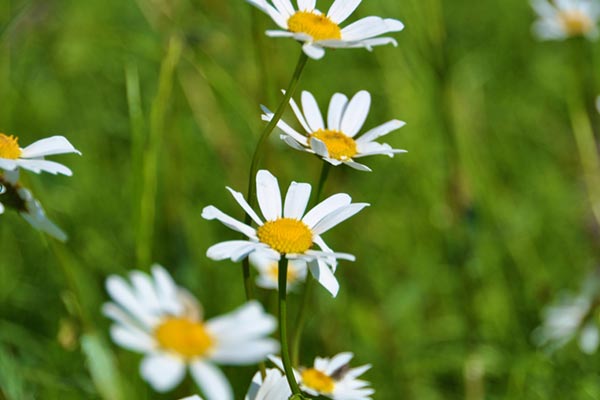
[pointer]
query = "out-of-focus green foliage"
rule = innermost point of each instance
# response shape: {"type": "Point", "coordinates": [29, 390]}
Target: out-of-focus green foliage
{"type": "Point", "coordinates": [469, 235]}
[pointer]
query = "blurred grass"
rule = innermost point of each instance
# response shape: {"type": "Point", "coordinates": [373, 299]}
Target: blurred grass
{"type": "Point", "coordinates": [470, 234]}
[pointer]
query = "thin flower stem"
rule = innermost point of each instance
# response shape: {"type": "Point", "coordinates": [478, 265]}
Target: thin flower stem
{"type": "Point", "coordinates": [285, 351]}
{"type": "Point", "coordinates": [301, 317]}
{"type": "Point", "coordinates": [257, 155]}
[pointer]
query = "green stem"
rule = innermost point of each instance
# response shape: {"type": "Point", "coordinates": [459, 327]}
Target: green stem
{"type": "Point", "coordinates": [285, 352]}
{"type": "Point", "coordinates": [301, 317]}
{"type": "Point", "coordinates": [257, 155]}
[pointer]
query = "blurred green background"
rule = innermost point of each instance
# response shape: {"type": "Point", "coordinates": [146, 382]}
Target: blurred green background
{"type": "Point", "coordinates": [469, 235]}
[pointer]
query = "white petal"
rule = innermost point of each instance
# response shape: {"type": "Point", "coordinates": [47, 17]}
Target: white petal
{"type": "Point", "coordinates": [235, 250]}
{"type": "Point", "coordinates": [338, 361]}
{"type": "Point", "coordinates": [121, 293]}
{"type": "Point", "coordinates": [341, 9]}
{"type": "Point", "coordinates": [356, 113]}
{"type": "Point", "coordinates": [212, 382]}
{"type": "Point", "coordinates": [38, 166]}
{"type": "Point", "coordinates": [314, 52]}
{"type": "Point", "coordinates": [268, 115]}
{"type": "Point", "coordinates": [49, 146]}
{"type": "Point", "coordinates": [589, 339]}
{"type": "Point", "coordinates": [285, 7]}
{"type": "Point", "coordinates": [121, 317]}
{"type": "Point", "coordinates": [212, 212]}
{"type": "Point", "coordinates": [248, 322]}
{"type": "Point", "coordinates": [369, 27]}
{"type": "Point", "coordinates": [319, 147]}
{"type": "Point", "coordinates": [306, 5]}
{"type": "Point", "coordinates": [325, 208]}
{"type": "Point", "coordinates": [241, 200]}
{"type": "Point", "coordinates": [312, 112]}
{"type": "Point", "coordinates": [321, 272]}
{"type": "Point", "coordinates": [166, 290]}
{"type": "Point", "coordinates": [337, 105]}
{"type": "Point", "coordinates": [37, 218]}
{"type": "Point", "coordinates": [338, 216]}
{"type": "Point", "coordinates": [357, 166]}
{"type": "Point", "coordinates": [131, 340]}
{"type": "Point", "coordinates": [271, 11]}
{"type": "Point", "coordinates": [299, 115]}
{"type": "Point", "coordinates": [144, 289]}
{"type": "Point", "coordinates": [278, 33]}
{"type": "Point", "coordinates": [296, 200]}
{"type": "Point", "coordinates": [1, 208]}
{"type": "Point", "coordinates": [11, 177]}
{"type": "Point", "coordinates": [293, 143]}
{"type": "Point", "coordinates": [246, 353]}
{"type": "Point", "coordinates": [268, 194]}
{"type": "Point", "coordinates": [380, 131]}
{"type": "Point", "coordinates": [8, 165]}
{"type": "Point", "coordinates": [162, 371]}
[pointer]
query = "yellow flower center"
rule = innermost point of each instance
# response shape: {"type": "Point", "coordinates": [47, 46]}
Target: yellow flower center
{"type": "Point", "coordinates": [9, 147]}
{"type": "Point", "coordinates": [318, 381]}
{"type": "Point", "coordinates": [184, 337]}
{"type": "Point", "coordinates": [339, 146]}
{"type": "Point", "coordinates": [274, 273]}
{"type": "Point", "coordinates": [286, 235]}
{"type": "Point", "coordinates": [317, 26]}
{"type": "Point", "coordinates": [575, 22]}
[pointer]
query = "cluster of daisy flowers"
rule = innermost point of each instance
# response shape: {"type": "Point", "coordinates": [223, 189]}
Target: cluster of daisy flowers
{"type": "Point", "coordinates": [283, 237]}
{"type": "Point", "coordinates": [13, 195]}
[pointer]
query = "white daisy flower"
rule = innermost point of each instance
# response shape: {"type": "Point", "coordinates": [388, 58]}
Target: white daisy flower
{"type": "Point", "coordinates": [274, 387]}
{"type": "Point", "coordinates": [572, 317]}
{"type": "Point", "coordinates": [562, 19]}
{"type": "Point", "coordinates": [336, 143]}
{"type": "Point", "coordinates": [318, 31]}
{"type": "Point", "coordinates": [19, 198]}
{"type": "Point", "coordinates": [155, 317]}
{"type": "Point", "coordinates": [333, 378]}
{"type": "Point", "coordinates": [195, 397]}
{"type": "Point", "coordinates": [268, 271]}
{"type": "Point", "coordinates": [287, 230]}
{"type": "Point", "coordinates": [31, 157]}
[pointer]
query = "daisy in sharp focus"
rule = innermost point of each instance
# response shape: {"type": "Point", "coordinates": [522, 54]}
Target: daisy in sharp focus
{"type": "Point", "coordinates": [274, 387]}
{"type": "Point", "coordinates": [333, 378]}
{"type": "Point", "coordinates": [318, 31]}
{"type": "Point", "coordinates": [287, 229]}
{"type": "Point", "coordinates": [268, 271]}
{"type": "Point", "coordinates": [562, 19]}
{"type": "Point", "coordinates": [155, 317]}
{"type": "Point", "coordinates": [31, 157]}
{"type": "Point", "coordinates": [337, 143]}
{"type": "Point", "coordinates": [21, 200]}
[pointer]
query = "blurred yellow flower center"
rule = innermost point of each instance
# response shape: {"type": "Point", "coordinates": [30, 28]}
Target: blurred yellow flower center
{"type": "Point", "coordinates": [184, 337]}
{"type": "Point", "coordinates": [317, 380]}
{"type": "Point", "coordinates": [339, 146]}
{"type": "Point", "coordinates": [575, 22]}
{"type": "Point", "coordinates": [9, 147]}
{"type": "Point", "coordinates": [274, 273]}
{"type": "Point", "coordinates": [319, 27]}
{"type": "Point", "coordinates": [286, 235]}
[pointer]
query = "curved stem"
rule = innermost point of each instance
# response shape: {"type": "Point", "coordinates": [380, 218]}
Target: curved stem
{"type": "Point", "coordinates": [285, 352]}
{"type": "Point", "coordinates": [257, 155]}
{"type": "Point", "coordinates": [301, 316]}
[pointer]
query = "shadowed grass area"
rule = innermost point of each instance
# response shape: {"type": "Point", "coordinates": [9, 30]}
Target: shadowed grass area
{"type": "Point", "coordinates": [469, 235]}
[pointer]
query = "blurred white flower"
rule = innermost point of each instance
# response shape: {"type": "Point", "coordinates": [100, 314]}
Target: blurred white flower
{"type": "Point", "coordinates": [572, 317]}
{"type": "Point", "coordinates": [562, 19]}
{"type": "Point", "coordinates": [318, 31]}
{"type": "Point", "coordinates": [195, 397]}
{"type": "Point", "coordinates": [274, 387]}
{"type": "Point", "coordinates": [268, 271]}
{"type": "Point", "coordinates": [27, 206]}
{"type": "Point", "coordinates": [287, 230]}
{"type": "Point", "coordinates": [155, 317]}
{"type": "Point", "coordinates": [336, 143]}
{"type": "Point", "coordinates": [333, 378]}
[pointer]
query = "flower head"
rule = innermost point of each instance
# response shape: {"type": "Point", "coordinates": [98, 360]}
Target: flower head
{"type": "Point", "coordinates": [268, 271]}
{"type": "Point", "coordinates": [287, 230]}
{"type": "Point", "coordinates": [318, 31]}
{"type": "Point", "coordinates": [155, 317]}
{"type": "Point", "coordinates": [20, 199]}
{"type": "Point", "coordinates": [562, 19]}
{"type": "Point", "coordinates": [333, 378]}
{"type": "Point", "coordinates": [336, 143]}
{"type": "Point", "coordinates": [274, 387]}
{"type": "Point", "coordinates": [571, 317]}
{"type": "Point", "coordinates": [31, 157]}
